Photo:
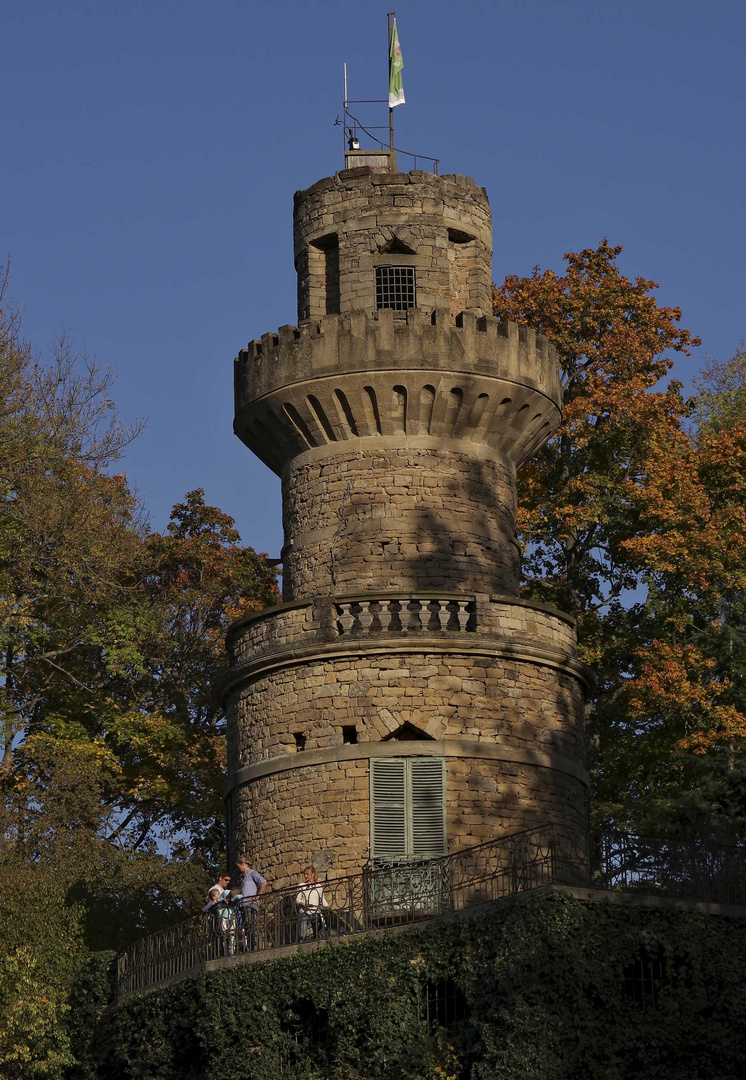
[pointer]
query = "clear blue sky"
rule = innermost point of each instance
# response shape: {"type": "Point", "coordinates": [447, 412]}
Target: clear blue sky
{"type": "Point", "coordinates": [151, 150]}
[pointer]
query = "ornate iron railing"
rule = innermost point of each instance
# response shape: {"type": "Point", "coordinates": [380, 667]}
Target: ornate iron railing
{"type": "Point", "coordinates": [384, 895]}
{"type": "Point", "coordinates": [399, 893]}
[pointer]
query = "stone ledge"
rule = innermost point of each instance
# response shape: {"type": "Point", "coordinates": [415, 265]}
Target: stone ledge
{"type": "Point", "coordinates": [447, 748]}
{"type": "Point", "coordinates": [328, 600]}
{"type": "Point", "coordinates": [393, 645]}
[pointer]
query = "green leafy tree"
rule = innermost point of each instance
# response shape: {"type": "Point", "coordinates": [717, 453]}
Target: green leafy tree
{"type": "Point", "coordinates": [111, 637]}
{"type": "Point", "coordinates": [40, 951]}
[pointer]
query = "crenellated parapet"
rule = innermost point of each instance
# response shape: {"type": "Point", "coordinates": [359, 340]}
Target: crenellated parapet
{"type": "Point", "coordinates": [366, 375]}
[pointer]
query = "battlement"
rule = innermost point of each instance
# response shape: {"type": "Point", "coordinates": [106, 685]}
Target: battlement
{"type": "Point", "coordinates": [418, 177]}
{"type": "Point", "coordinates": [364, 341]}
{"type": "Point", "coordinates": [342, 378]}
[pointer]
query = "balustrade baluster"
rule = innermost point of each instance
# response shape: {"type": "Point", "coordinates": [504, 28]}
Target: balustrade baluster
{"type": "Point", "coordinates": [385, 614]}
{"type": "Point", "coordinates": [346, 620]}
{"type": "Point", "coordinates": [462, 613]}
{"type": "Point", "coordinates": [443, 614]}
{"type": "Point", "coordinates": [365, 617]}
{"type": "Point", "coordinates": [413, 607]}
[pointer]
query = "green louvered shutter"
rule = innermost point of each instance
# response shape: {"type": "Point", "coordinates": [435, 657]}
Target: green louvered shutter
{"type": "Point", "coordinates": [388, 805]}
{"type": "Point", "coordinates": [428, 807]}
{"type": "Point", "coordinates": [407, 797]}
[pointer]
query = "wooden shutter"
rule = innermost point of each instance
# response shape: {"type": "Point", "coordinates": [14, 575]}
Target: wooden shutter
{"type": "Point", "coordinates": [428, 810]}
{"type": "Point", "coordinates": [407, 800]}
{"type": "Point", "coordinates": [388, 812]}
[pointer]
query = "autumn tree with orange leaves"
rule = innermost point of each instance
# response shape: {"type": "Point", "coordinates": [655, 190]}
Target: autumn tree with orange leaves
{"type": "Point", "coordinates": [631, 519]}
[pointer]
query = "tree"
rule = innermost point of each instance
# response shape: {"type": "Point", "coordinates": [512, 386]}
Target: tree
{"type": "Point", "coordinates": [40, 951]}
{"type": "Point", "coordinates": [111, 745]}
{"type": "Point", "coordinates": [612, 336]}
{"type": "Point", "coordinates": [69, 533]}
{"type": "Point", "coordinates": [721, 393]}
{"type": "Point", "coordinates": [628, 522]}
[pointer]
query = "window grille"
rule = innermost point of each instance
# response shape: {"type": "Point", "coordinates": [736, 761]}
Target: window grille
{"type": "Point", "coordinates": [442, 1003]}
{"type": "Point", "coordinates": [408, 819]}
{"type": "Point", "coordinates": [395, 287]}
{"type": "Point", "coordinates": [645, 978]}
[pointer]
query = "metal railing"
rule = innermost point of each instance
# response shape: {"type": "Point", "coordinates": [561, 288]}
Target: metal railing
{"type": "Point", "coordinates": [399, 893]}
{"type": "Point", "coordinates": [384, 895]}
{"type": "Point", "coordinates": [699, 870]}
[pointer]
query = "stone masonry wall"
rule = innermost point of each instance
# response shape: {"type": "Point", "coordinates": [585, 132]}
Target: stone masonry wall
{"type": "Point", "coordinates": [322, 814]}
{"type": "Point", "coordinates": [399, 519]}
{"type": "Point", "coordinates": [526, 705]}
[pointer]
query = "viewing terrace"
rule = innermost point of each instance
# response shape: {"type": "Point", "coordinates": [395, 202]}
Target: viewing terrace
{"type": "Point", "coordinates": [394, 896]}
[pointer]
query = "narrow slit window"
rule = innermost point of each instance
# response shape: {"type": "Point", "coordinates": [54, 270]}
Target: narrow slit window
{"type": "Point", "coordinates": [395, 287]}
{"type": "Point", "coordinates": [300, 741]}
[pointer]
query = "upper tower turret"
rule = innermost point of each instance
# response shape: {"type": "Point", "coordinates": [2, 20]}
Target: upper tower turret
{"type": "Point", "coordinates": [397, 410]}
{"type": "Point", "coordinates": [368, 240]}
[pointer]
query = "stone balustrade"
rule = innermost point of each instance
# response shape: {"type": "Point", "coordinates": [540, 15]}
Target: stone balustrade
{"type": "Point", "coordinates": [405, 615]}
{"type": "Point", "coordinates": [354, 617]}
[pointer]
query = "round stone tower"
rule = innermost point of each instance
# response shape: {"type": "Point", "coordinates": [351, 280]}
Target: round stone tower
{"type": "Point", "coordinates": [402, 702]}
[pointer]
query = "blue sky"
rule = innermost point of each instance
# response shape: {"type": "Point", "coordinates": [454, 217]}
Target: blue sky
{"type": "Point", "coordinates": [151, 152]}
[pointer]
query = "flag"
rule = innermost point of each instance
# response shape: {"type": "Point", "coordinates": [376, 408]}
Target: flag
{"type": "Point", "coordinates": [396, 89]}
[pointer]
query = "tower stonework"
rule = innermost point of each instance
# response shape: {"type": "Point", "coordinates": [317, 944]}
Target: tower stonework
{"type": "Point", "coordinates": [403, 701]}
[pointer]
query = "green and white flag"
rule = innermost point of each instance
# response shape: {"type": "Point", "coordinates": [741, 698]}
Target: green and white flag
{"type": "Point", "coordinates": [396, 88]}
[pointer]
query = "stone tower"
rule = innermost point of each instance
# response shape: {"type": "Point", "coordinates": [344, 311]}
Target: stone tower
{"type": "Point", "coordinates": [402, 702]}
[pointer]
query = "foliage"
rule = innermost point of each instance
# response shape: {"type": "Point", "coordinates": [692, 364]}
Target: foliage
{"type": "Point", "coordinates": [721, 393]}
{"type": "Point", "coordinates": [89, 996]}
{"type": "Point", "coordinates": [611, 335]}
{"type": "Point", "coordinates": [40, 951]}
{"type": "Point", "coordinates": [546, 986]}
{"type": "Point", "coordinates": [111, 746]}
{"type": "Point", "coordinates": [634, 520]}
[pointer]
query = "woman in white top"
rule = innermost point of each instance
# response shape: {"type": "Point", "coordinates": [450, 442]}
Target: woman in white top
{"type": "Point", "coordinates": [310, 900]}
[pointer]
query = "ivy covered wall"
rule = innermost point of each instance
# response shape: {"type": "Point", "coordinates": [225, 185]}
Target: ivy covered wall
{"type": "Point", "coordinates": [548, 987]}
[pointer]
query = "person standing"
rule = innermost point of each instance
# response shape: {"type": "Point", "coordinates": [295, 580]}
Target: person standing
{"type": "Point", "coordinates": [216, 891]}
{"type": "Point", "coordinates": [310, 900]}
{"type": "Point", "coordinates": [252, 887]}
{"type": "Point", "coordinates": [215, 895]}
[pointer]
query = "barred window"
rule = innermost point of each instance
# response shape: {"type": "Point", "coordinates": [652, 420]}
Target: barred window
{"type": "Point", "coordinates": [395, 287]}
{"type": "Point", "coordinates": [645, 977]}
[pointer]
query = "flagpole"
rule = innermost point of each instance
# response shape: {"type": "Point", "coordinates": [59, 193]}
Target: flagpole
{"type": "Point", "coordinates": [391, 111]}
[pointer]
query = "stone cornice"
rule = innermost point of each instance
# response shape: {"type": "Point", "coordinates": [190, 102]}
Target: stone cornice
{"type": "Point", "coordinates": [480, 384]}
{"type": "Point", "coordinates": [393, 645]}
{"type": "Point", "coordinates": [446, 748]}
